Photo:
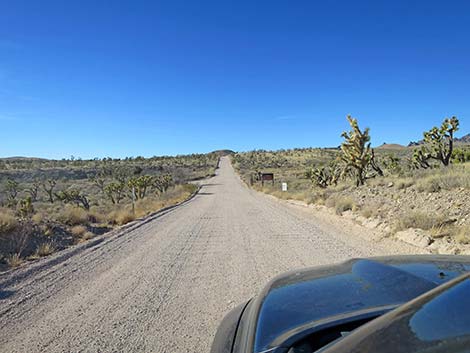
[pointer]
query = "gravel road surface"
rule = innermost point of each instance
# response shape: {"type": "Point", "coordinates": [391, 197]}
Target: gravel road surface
{"type": "Point", "coordinates": [165, 285]}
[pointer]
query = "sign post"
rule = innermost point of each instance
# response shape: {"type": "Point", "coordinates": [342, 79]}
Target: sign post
{"type": "Point", "coordinates": [284, 186]}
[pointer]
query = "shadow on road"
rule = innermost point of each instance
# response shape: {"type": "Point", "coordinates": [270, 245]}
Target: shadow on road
{"type": "Point", "coordinates": [4, 294]}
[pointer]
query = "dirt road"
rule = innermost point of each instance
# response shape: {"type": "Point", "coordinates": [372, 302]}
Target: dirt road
{"type": "Point", "coordinates": [164, 286]}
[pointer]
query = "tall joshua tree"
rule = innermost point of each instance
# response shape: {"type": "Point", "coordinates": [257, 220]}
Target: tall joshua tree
{"type": "Point", "coordinates": [357, 153]}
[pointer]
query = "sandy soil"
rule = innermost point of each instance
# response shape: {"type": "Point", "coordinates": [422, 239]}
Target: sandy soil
{"type": "Point", "coordinates": [165, 285]}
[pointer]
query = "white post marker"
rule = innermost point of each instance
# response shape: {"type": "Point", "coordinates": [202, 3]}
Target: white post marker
{"type": "Point", "coordinates": [284, 186]}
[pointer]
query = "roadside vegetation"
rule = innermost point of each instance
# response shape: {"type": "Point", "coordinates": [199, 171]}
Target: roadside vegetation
{"type": "Point", "coordinates": [424, 186]}
{"type": "Point", "coordinates": [48, 205]}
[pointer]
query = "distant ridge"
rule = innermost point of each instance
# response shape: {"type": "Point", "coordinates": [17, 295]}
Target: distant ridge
{"type": "Point", "coordinates": [391, 146]}
{"type": "Point", "coordinates": [20, 158]}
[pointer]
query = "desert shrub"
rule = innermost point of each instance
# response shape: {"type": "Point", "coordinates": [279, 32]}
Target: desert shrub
{"type": "Point", "coordinates": [8, 221]}
{"type": "Point", "coordinates": [444, 179]}
{"type": "Point", "coordinates": [404, 183]}
{"type": "Point", "coordinates": [38, 218]}
{"type": "Point", "coordinates": [45, 249]}
{"type": "Point", "coordinates": [72, 215]}
{"type": "Point", "coordinates": [441, 230]}
{"type": "Point", "coordinates": [429, 184]}
{"type": "Point", "coordinates": [421, 220]}
{"type": "Point", "coordinates": [88, 235]}
{"type": "Point", "coordinates": [146, 206]}
{"type": "Point", "coordinates": [460, 155]}
{"type": "Point", "coordinates": [78, 230]}
{"type": "Point", "coordinates": [17, 240]}
{"type": "Point", "coordinates": [340, 203]}
{"type": "Point", "coordinates": [369, 211]}
{"type": "Point", "coordinates": [120, 216]}
{"type": "Point", "coordinates": [179, 192]}
{"type": "Point", "coordinates": [319, 197]}
{"type": "Point", "coordinates": [14, 260]}
{"type": "Point", "coordinates": [462, 234]}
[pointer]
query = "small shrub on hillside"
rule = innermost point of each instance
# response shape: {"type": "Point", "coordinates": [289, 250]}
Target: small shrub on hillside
{"type": "Point", "coordinates": [87, 236]}
{"type": "Point", "coordinates": [448, 179]}
{"type": "Point", "coordinates": [78, 231]}
{"type": "Point", "coordinates": [429, 184]}
{"type": "Point", "coordinates": [121, 216]}
{"type": "Point", "coordinates": [8, 222]}
{"type": "Point", "coordinates": [462, 234]}
{"type": "Point", "coordinates": [147, 206]}
{"type": "Point", "coordinates": [404, 183]}
{"type": "Point", "coordinates": [319, 196]}
{"type": "Point", "coordinates": [14, 260]}
{"type": "Point", "coordinates": [441, 231]}
{"type": "Point", "coordinates": [98, 214]}
{"type": "Point", "coordinates": [38, 218]}
{"type": "Point", "coordinates": [340, 204]}
{"type": "Point", "coordinates": [369, 212]}
{"type": "Point", "coordinates": [45, 249]}
{"type": "Point", "coordinates": [72, 215]}
{"type": "Point", "coordinates": [421, 220]}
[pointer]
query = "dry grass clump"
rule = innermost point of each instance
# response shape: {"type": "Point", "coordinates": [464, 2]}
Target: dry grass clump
{"type": "Point", "coordinates": [38, 218]}
{"type": "Point", "coordinates": [462, 234]}
{"type": "Point", "coordinates": [147, 206]}
{"type": "Point", "coordinates": [78, 231]}
{"type": "Point", "coordinates": [404, 183]}
{"type": "Point", "coordinates": [428, 184]}
{"type": "Point", "coordinates": [98, 214]}
{"type": "Point", "coordinates": [87, 236]}
{"type": "Point", "coordinates": [81, 233]}
{"type": "Point", "coordinates": [150, 204]}
{"type": "Point", "coordinates": [120, 216]}
{"type": "Point", "coordinates": [369, 211]}
{"type": "Point", "coordinates": [14, 260]}
{"type": "Point", "coordinates": [422, 220]}
{"type": "Point", "coordinates": [45, 249]}
{"type": "Point", "coordinates": [449, 178]}
{"type": "Point", "coordinates": [442, 230]}
{"type": "Point", "coordinates": [72, 215]}
{"type": "Point", "coordinates": [319, 196]}
{"type": "Point", "coordinates": [341, 203]}
{"type": "Point", "coordinates": [8, 222]}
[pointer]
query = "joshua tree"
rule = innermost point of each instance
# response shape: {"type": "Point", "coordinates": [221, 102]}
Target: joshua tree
{"type": "Point", "coordinates": [326, 175]}
{"type": "Point", "coordinates": [139, 185]}
{"type": "Point", "coordinates": [26, 209]}
{"type": "Point", "coordinates": [115, 191]}
{"type": "Point", "coordinates": [74, 196]}
{"type": "Point", "coordinates": [33, 190]}
{"type": "Point", "coordinates": [12, 189]}
{"type": "Point", "coordinates": [420, 159]}
{"type": "Point", "coordinates": [439, 143]}
{"type": "Point", "coordinates": [48, 186]}
{"type": "Point", "coordinates": [162, 182]}
{"type": "Point", "coordinates": [357, 153]}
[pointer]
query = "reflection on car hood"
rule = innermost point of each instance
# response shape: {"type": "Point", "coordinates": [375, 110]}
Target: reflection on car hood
{"type": "Point", "coordinates": [437, 321]}
{"type": "Point", "coordinates": [299, 298]}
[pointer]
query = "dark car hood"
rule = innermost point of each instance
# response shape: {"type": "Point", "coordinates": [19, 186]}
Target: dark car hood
{"type": "Point", "coordinates": [300, 299]}
{"type": "Point", "coordinates": [437, 321]}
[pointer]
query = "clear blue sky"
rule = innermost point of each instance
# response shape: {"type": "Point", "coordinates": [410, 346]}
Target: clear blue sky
{"type": "Point", "coordinates": [128, 78]}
